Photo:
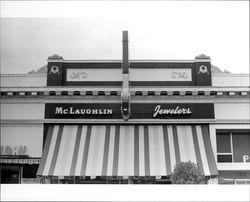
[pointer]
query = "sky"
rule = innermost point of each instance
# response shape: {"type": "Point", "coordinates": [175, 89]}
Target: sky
{"type": "Point", "coordinates": [158, 30]}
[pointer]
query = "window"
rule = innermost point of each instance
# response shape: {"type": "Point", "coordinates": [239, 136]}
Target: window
{"type": "Point", "coordinates": [241, 145]}
{"type": "Point", "coordinates": [224, 147]}
{"type": "Point", "coordinates": [233, 181]}
{"type": "Point", "coordinates": [233, 146]}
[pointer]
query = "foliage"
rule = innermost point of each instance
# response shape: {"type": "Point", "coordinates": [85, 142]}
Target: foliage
{"type": "Point", "coordinates": [187, 173]}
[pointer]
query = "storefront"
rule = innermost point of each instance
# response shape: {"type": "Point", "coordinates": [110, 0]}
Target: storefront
{"type": "Point", "coordinates": [124, 122]}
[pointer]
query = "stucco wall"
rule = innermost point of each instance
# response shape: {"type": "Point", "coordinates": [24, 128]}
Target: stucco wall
{"type": "Point", "coordinates": [40, 80]}
{"type": "Point", "coordinates": [22, 111]}
{"type": "Point", "coordinates": [16, 135]}
{"type": "Point", "coordinates": [232, 111]}
{"type": "Point", "coordinates": [227, 79]}
{"type": "Point", "coordinates": [23, 80]}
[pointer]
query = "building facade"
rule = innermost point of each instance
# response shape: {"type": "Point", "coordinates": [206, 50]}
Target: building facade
{"type": "Point", "coordinates": [127, 121]}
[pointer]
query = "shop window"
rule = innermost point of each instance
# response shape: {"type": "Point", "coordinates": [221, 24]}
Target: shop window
{"type": "Point", "coordinates": [224, 158]}
{"type": "Point", "coordinates": [10, 174]}
{"type": "Point", "coordinates": [242, 181]}
{"type": "Point", "coordinates": [223, 143]}
{"type": "Point", "coordinates": [226, 181]}
{"type": "Point", "coordinates": [29, 171]}
{"type": "Point", "coordinates": [241, 146]}
{"type": "Point", "coordinates": [224, 147]}
{"type": "Point", "coordinates": [234, 181]}
{"type": "Point", "coordinates": [233, 146]}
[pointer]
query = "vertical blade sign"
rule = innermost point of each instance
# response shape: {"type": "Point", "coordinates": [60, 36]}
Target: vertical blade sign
{"type": "Point", "coordinates": [125, 107]}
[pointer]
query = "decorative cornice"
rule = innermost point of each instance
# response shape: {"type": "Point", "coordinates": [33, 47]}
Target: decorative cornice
{"type": "Point", "coordinates": [55, 57]}
{"type": "Point", "coordinates": [202, 56]}
{"type": "Point", "coordinates": [137, 93]}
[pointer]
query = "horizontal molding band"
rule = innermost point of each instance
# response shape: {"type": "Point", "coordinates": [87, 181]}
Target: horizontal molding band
{"type": "Point", "coordinates": [116, 121]}
{"type": "Point", "coordinates": [118, 93]}
{"type": "Point", "coordinates": [233, 166]}
{"type": "Point", "coordinates": [133, 88]}
{"type": "Point", "coordinates": [117, 99]}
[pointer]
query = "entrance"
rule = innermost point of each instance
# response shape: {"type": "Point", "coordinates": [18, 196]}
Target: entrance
{"type": "Point", "coordinates": [105, 180]}
{"type": "Point", "coordinates": [11, 174]}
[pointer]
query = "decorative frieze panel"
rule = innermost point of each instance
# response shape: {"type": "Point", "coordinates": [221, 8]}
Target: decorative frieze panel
{"type": "Point", "coordinates": [118, 93]}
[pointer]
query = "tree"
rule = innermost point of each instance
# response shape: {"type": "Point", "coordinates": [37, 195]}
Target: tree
{"type": "Point", "coordinates": [187, 173]}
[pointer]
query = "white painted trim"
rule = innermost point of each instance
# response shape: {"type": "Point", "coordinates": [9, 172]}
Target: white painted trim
{"type": "Point", "coordinates": [222, 74]}
{"type": "Point", "coordinates": [232, 121]}
{"type": "Point", "coordinates": [55, 60]}
{"type": "Point", "coordinates": [116, 121]}
{"type": "Point", "coordinates": [182, 99]}
{"type": "Point", "coordinates": [212, 181]}
{"type": "Point", "coordinates": [134, 98]}
{"type": "Point", "coordinates": [233, 166]}
{"type": "Point", "coordinates": [213, 140]}
{"type": "Point", "coordinates": [225, 153]}
{"type": "Point", "coordinates": [134, 121]}
{"type": "Point", "coordinates": [91, 61]}
{"type": "Point", "coordinates": [25, 75]}
{"type": "Point", "coordinates": [231, 145]}
{"type": "Point", "coordinates": [117, 98]}
{"type": "Point", "coordinates": [231, 126]}
{"type": "Point", "coordinates": [62, 99]}
{"type": "Point", "coordinates": [65, 88]}
{"type": "Point", "coordinates": [130, 61]}
{"type": "Point", "coordinates": [169, 100]}
{"type": "Point", "coordinates": [150, 88]}
{"type": "Point", "coordinates": [10, 93]}
{"type": "Point", "coordinates": [202, 60]}
{"type": "Point", "coordinates": [190, 88]}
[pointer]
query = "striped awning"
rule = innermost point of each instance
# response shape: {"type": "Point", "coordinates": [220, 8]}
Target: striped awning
{"type": "Point", "coordinates": [125, 150]}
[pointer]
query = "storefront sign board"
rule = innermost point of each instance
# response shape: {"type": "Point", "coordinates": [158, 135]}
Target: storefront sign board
{"type": "Point", "coordinates": [138, 111]}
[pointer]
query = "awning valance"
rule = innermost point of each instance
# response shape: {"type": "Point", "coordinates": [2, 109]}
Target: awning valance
{"type": "Point", "coordinates": [125, 150]}
{"type": "Point", "coordinates": [20, 160]}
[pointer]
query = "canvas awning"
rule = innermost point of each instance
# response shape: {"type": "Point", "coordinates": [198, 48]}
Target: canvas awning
{"type": "Point", "coordinates": [125, 150]}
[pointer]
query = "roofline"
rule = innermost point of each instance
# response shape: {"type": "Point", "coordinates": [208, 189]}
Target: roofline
{"type": "Point", "coordinates": [119, 61]}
